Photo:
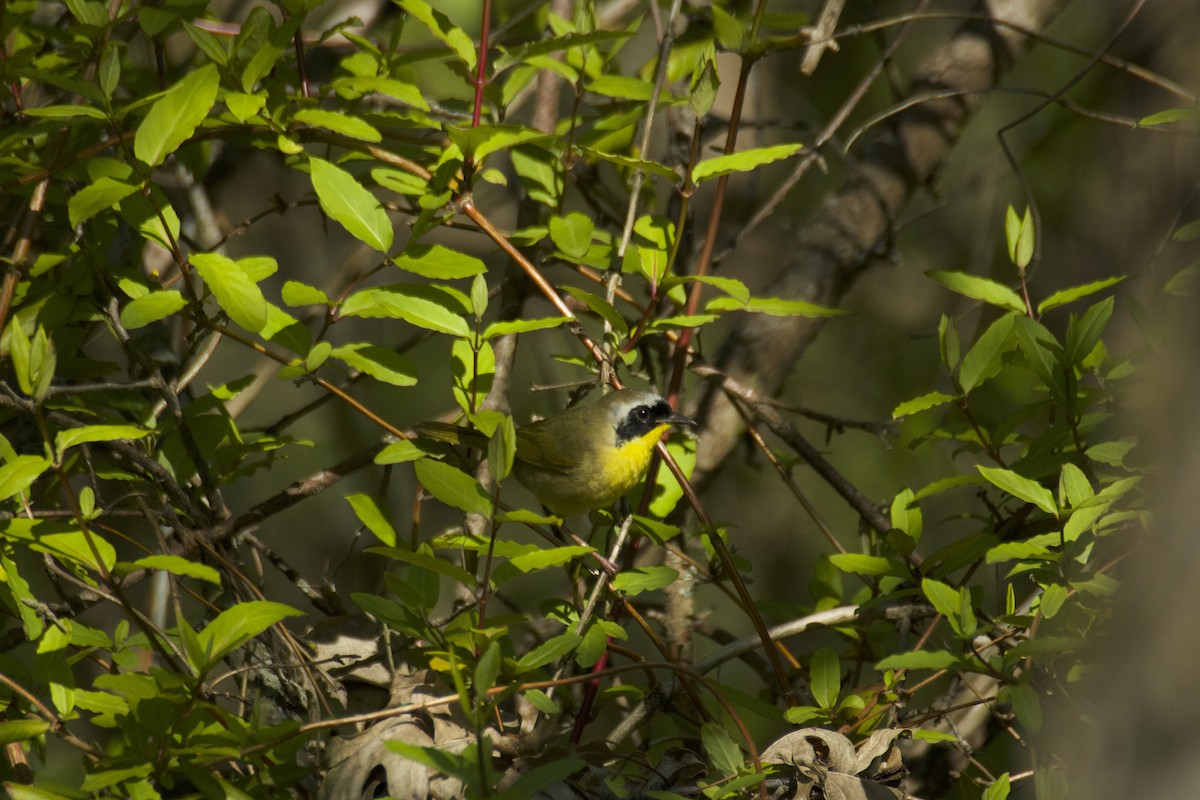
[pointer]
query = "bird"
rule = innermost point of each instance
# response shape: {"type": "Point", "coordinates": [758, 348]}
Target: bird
{"type": "Point", "coordinates": [585, 458]}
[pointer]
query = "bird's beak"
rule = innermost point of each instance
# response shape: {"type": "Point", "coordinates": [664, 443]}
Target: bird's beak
{"type": "Point", "coordinates": [680, 419]}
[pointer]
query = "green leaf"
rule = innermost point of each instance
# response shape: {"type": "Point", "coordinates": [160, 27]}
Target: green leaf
{"type": "Point", "coordinates": [21, 730]}
{"type": "Point", "coordinates": [506, 327]}
{"type": "Point", "coordinates": [744, 161]}
{"type": "Point", "coordinates": [236, 626]}
{"type": "Point", "coordinates": [644, 579]}
{"type": "Point", "coordinates": [425, 560]}
{"type": "Point", "coordinates": [1082, 335]}
{"type": "Point", "coordinates": [442, 28]}
{"type": "Point", "coordinates": [921, 659]}
{"type": "Point", "coordinates": [360, 85]}
{"type": "Point", "coordinates": [977, 288]}
{"type": "Point", "coordinates": [378, 362]}
{"type": "Point", "coordinates": [1170, 115]}
{"type": "Point", "coordinates": [1026, 705]}
{"type": "Point", "coordinates": [237, 295]}
{"type": "Point", "coordinates": [860, 564]}
{"type": "Point", "coordinates": [1074, 489]}
{"type": "Point", "coordinates": [551, 557]}
{"type": "Point", "coordinates": [453, 487]}
{"type": "Point", "coordinates": [177, 565]}
{"type": "Point", "coordinates": [342, 197]}
{"type": "Point", "coordinates": [502, 449]}
{"type": "Point", "coordinates": [152, 307]}
{"type": "Point", "coordinates": [1064, 296]}
{"type": "Point", "coordinates": [825, 677]}
{"type": "Point", "coordinates": [602, 308]}
{"type": "Point", "coordinates": [244, 106]}
{"type": "Point", "coordinates": [550, 650]}
{"type": "Point", "coordinates": [572, 234]}
{"type": "Point", "coordinates": [533, 782]}
{"type": "Point", "coordinates": [998, 789]}
{"type": "Point", "coordinates": [399, 453]}
{"type": "Point", "coordinates": [295, 293]}
{"type": "Point", "coordinates": [948, 344]}
{"type": "Point", "coordinates": [175, 116]}
{"type": "Point", "coordinates": [351, 127]}
{"type": "Point", "coordinates": [69, 437]}
{"type": "Point", "coordinates": [481, 141]}
{"type": "Point", "coordinates": [370, 514]}
{"type": "Point", "coordinates": [1020, 236]}
{"type": "Point", "coordinates": [922, 403]}
{"type": "Point", "coordinates": [422, 305]}
{"type": "Point", "coordinates": [102, 194]}
{"type": "Point", "coordinates": [1021, 487]}
{"type": "Point", "coordinates": [945, 598]}
{"type": "Point", "coordinates": [1053, 597]}
{"type": "Point", "coordinates": [648, 167]}
{"type": "Point", "coordinates": [621, 87]}
{"type": "Point", "coordinates": [775, 306]}
{"type": "Point", "coordinates": [435, 261]}
{"type": "Point", "coordinates": [488, 668]}
{"type": "Point", "coordinates": [34, 360]}
{"type": "Point", "coordinates": [985, 358]}
{"type": "Point", "coordinates": [722, 750]}
{"type": "Point", "coordinates": [19, 473]}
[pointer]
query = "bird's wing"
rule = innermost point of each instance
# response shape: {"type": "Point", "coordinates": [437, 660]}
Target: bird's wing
{"type": "Point", "coordinates": [539, 449]}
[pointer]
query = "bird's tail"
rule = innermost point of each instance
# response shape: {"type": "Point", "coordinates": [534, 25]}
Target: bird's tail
{"type": "Point", "coordinates": [451, 434]}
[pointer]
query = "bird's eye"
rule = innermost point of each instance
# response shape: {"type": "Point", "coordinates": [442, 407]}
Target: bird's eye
{"type": "Point", "coordinates": [642, 413]}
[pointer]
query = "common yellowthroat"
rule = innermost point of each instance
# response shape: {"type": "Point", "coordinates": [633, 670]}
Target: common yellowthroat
{"type": "Point", "coordinates": [586, 457]}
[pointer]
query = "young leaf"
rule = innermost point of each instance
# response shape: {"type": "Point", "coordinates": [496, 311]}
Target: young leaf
{"type": "Point", "coordinates": [1020, 235]}
{"type": "Point", "coordinates": [977, 288]}
{"type": "Point", "coordinates": [1064, 296]}
{"type": "Point", "coordinates": [342, 197]}
{"type": "Point", "coordinates": [175, 116]}
{"type": "Point", "coordinates": [1021, 487]}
